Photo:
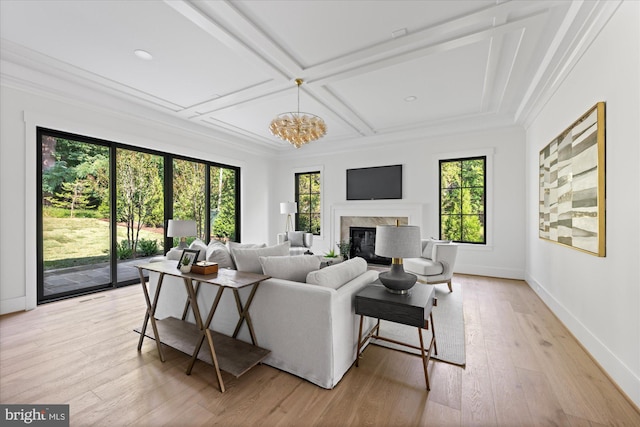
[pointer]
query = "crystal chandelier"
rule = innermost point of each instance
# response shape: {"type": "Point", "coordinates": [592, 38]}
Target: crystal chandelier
{"type": "Point", "coordinates": [298, 128]}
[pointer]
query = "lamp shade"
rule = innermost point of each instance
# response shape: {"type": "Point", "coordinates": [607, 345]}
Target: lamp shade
{"type": "Point", "coordinates": [181, 228]}
{"type": "Point", "coordinates": [398, 241]}
{"type": "Point", "coordinates": [288, 207]}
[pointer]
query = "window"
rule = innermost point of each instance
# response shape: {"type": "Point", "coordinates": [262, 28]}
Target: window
{"type": "Point", "coordinates": [224, 201]}
{"type": "Point", "coordinates": [74, 211]}
{"type": "Point", "coordinates": [308, 199]}
{"type": "Point", "coordinates": [463, 199]}
{"type": "Point", "coordinates": [189, 194]}
{"type": "Point", "coordinates": [102, 207]}
{"type": "Point", "coordinates": [139, 207]}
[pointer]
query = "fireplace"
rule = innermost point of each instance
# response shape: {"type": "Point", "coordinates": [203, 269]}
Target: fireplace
{"type": "Point", "coordinates": [363, 243]}
{"type": "Point", "coordinates": [370, 214]}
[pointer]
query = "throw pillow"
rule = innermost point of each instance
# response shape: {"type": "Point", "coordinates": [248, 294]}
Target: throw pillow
{"type": "Point", "coordinates": [428, 249]}
{"type": "Point", "coordinates": [199, 245]}
{"type": "Point", "coordinates": [246, 259]}
{"type": "Point", "coordinates": [234, 245]}
{"type": "Point", "coordinates": [337, 275]}
{"type": "Point", "coordinates": [218, 252]}
{"type": "Point", "coordinates": [296, 238]}
{"type": "Point", "coordinates": [174, 254]}
{"type": "Point", "coordinates": [293, 268]}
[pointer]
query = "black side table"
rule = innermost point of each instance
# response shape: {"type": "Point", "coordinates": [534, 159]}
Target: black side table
{"type": "Point", "coordinates": [412, 309]}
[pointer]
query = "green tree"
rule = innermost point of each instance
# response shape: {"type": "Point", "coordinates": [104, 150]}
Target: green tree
{"type": "Point", "coordinates": [223, 203]}
{"type": "Point", "coordinates": [462, 200]}
{"type": "Point", "coordinates": [72, 196]}
{"type": "Point", "coordinates": [308, 198]}
{"type": "Point", "coordinates": [66, 161]}
{"type": "Point", "coordinates": [189, 193]}
{"type": "Point", "coordinates": [139, 191]}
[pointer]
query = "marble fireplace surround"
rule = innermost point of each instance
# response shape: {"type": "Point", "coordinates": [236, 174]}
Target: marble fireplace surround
{"type": "Point", "coordinates": [370, 214]}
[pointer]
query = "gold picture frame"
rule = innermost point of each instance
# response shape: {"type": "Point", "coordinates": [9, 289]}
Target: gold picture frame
{"type": "Point", "coordinates": [572, 185]}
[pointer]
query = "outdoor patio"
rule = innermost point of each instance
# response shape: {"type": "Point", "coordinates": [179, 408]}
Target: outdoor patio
{"type": "Point", "coordinates": [88, 276]}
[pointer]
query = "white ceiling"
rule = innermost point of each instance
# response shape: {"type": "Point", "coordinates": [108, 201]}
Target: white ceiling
{"type": "Point", "coordinates": [230, 66]}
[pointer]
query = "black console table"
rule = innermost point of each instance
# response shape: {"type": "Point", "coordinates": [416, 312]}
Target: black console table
{"type": "Point", "coordinates": [412, 309]}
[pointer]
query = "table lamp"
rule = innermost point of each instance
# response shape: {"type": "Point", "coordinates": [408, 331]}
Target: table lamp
{"type": "Point", "coordinates": [182, 229]}
{"type": "Point", "coordinates": [288, 208]}
{"type": "Point", "coordinates": [397, 242]}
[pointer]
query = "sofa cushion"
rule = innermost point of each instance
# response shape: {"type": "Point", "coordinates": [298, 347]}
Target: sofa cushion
{"type": "Point", "coordinates": [246, 259]}
{"type": "Point", "coordinates": [174, 254]}
{"type": "Point", "coordinates": [218, 252]}
{"type": "Point", "coordinates": [199, 245]}
{"type": "Point", "coordinates": [296, 238]}
{"type": "Point", "coordinates": [428, 249]}
{"type": "Point", "coordinates": [337, 275]}
{"type": "Point", "coordinates": [298, 251]}
{"type": "Point", "coordinates": [235, 245]}
{"type": "Point", "coordinates": [423, 266]}
{"type": "Point", "coordinates": [293, 268]}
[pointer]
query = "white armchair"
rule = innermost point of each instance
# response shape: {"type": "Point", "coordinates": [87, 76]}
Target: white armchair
{"type": "Point", "coordinates": [301, 242]}
{"type": "Point", "coordinates": [436, 263]}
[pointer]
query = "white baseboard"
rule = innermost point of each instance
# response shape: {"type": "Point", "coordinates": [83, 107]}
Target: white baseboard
{"type": "Point", "coordinates": [620, 373]}
{"type": "Point", "coordinates": [12, 305]}
{"type": "Point", "coordinates": [480, 270]}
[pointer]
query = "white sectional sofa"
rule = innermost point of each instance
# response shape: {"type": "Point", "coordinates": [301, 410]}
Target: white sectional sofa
{"type": "Point", "coordinates": [310, 328]}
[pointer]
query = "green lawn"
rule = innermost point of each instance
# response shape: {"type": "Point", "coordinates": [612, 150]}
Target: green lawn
{"type": "Point", "coordinates": [79, 241]}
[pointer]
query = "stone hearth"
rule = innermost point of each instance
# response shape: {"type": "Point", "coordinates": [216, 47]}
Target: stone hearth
{"type": "Point", "coordinates": [371, 214]}
{"type": "Point", "coordinates": [366, 221]}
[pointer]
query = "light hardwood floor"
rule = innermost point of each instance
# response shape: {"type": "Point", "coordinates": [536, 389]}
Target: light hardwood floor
{"type": "Point", "coordinates": [523, 369]}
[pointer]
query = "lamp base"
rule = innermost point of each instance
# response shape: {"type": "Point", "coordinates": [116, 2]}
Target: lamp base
{"type": "Point", "coordinates": [183, 243]}
{"type": "Point", "coordinates": [397, 281]}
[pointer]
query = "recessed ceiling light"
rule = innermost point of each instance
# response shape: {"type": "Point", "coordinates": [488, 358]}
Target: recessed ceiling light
{"type": "Point", "coordinates": [399, 33]}
{"type": "Point", "coordinates": [410, 98]}
{"type": "Point", "coordinates": [143, 54]}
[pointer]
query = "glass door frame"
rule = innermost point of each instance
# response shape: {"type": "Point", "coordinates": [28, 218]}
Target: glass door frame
{"type": "Point", "coordinates": [168, 206]}
{"type": "Point", "coordinates": [40, 275]}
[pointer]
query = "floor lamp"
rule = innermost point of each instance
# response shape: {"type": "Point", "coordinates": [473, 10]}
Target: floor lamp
{"type": "Point", "coordinates": [288, 208]}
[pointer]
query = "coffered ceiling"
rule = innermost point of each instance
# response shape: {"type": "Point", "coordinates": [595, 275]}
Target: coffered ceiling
{"type": "Point", "coordinates": [374, 70]}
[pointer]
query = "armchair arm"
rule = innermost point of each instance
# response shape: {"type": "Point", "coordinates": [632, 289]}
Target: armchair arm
{"type": "Point", "coordinates": [308, 240]}
{"type": "Point", "coordinates": [423, 243]}
{"type": "Point", "coordinates": [445, 253]}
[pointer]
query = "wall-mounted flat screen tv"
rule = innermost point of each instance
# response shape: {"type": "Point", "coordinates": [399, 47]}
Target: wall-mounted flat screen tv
{"type": "Point", "coordinates": [375, 183]}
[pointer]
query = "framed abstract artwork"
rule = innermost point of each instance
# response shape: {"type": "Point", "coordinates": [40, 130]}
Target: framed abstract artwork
{"type": "Point", "coordinates": [572, 185]}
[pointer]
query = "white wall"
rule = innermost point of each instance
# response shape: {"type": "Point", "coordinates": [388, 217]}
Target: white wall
{"type": "Point", "coordinates": [503, 256]}
{"type": "Point", "coordinates": [21, 112]}
{"type": "Point", "coordinates": [598, 299]}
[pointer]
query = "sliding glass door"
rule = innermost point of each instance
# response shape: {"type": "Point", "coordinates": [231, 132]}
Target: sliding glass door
{"type": "Point", "coordinates": [139, 210]}
{"type": "Point", "coordinates": [189, 195]}
{"type": "Point", "coordinates": [75, 217]}
{"type": "Point", "coordinates": [103, 207]}
{"type": "Point", "coordinates": [223, 202]}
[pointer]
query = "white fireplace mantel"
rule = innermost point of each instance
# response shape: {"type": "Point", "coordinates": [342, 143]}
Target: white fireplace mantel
{"type": "Point", "coordinates": [391, 209]}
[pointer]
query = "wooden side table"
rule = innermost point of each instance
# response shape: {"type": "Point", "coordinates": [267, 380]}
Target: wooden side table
{"type": "Point", "coordinates": [412, 309]}
{"type": "Point", "coordinates": [228, 353]}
